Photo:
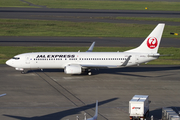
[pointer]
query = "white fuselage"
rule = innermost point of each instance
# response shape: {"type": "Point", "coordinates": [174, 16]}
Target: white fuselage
{"type": "Point", "coordinates": [53, 60]}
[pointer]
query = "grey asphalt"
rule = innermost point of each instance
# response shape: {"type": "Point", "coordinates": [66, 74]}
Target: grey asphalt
{"type": "Point", "coordinates": [53, 95]}
{"type": "Point", "coordinates": [82, 41]}
{"type": "Point", "coordinates": [83, 15]}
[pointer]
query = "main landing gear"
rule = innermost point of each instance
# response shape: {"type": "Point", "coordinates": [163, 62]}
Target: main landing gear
{"type": "Point", "coordinates": [89, 72]}
{"type": "Point", "coordinates": [23, 71]}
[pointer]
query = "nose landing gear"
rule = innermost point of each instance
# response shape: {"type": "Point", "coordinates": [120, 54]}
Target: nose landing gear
{"type": "Point", "coordinates": [23, 72]}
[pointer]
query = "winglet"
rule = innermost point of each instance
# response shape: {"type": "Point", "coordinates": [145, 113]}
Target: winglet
{"type": "Point", "coordinates": [127, 60]}
{"type": "Point", "coordinates": [96, 113]}
{"type": "Point", "coordinates": [91, 47]}
{"type": "Point", "coordinates": [2, 95]}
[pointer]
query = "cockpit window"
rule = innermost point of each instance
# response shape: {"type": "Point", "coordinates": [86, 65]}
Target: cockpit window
{"type": "Point", "coordinates": [16, 58]}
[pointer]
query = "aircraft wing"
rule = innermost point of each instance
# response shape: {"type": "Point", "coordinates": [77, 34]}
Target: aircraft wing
{"type": "Point", "coordinates": [2, 95]}
{"type": "Point", "coordinates": [91, 47]}
{"type": "Point", "coordinates": [96, 113]}
{"type": "Point", "coordinates": [106, 66]}
{"type": "Point", "coordinates": [61, 114]}
{"type": "Point", "coordinates": [98, 66]}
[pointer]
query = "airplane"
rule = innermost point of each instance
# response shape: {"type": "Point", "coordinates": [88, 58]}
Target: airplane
{"type": "Point", "coordinates": [79, 62]}
{"type": "Point", "coordinates": [2, 94]}
{"type": "Point", "coordinates": [95, 115]}
{"type": "Point", "coordinates": [60, 115]}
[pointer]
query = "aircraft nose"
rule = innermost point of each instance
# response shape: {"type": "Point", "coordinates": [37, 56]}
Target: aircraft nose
{"type": "Point", "coordinates": [9, 62]}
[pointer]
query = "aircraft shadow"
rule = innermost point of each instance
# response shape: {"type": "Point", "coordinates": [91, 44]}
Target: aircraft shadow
{"type": "Point", "coordinates": [62, 114]}
{"type": "Point", "coordinates": [128, 71]}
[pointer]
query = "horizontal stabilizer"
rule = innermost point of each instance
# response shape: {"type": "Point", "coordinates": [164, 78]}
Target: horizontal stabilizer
{"type": "Point", "coordinates": [154, 55]}
{"type": "Point", "coordinates": [158, 55]}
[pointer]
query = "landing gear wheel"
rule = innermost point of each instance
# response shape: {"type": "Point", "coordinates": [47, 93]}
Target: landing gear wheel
{"type": "Point", "coordinates": [23, 72]}
{"type": "Point", "coordinates": [89, 73]}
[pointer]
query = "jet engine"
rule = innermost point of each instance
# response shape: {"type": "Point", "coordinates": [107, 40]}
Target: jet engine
{"type": "Point", "coordinates": [73, 69]}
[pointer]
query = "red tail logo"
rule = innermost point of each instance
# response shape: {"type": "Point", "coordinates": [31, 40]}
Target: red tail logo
{"type": "Point", "coordinates": [152, 42]}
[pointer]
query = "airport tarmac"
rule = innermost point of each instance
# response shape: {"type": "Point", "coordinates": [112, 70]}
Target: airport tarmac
{"type": "Point", "coordinates": [82, 41]}
{"type": "Point", "coordinates": [84, 15]}
{"type": "Point", "coordinates": [53, 95]}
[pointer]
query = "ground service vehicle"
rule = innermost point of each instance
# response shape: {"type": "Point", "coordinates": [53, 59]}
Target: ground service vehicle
{"type": "Point", "coordinates": [139, 107]}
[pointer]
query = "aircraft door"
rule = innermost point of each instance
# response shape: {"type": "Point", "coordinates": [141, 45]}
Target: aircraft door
{"type": "Point", "coordinates": [78, 59]}
{"type": "Point", "coordinates": [137, 59]}
{"type": "Point", "coordinates": [27, 59]}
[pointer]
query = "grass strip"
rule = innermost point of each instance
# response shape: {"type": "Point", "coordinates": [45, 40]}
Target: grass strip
{"type": "Point", "coordinates": [7, 52]}
{"type": "Point", "coordinates": [18, 27]}
{"type": "Point", "coordinates": [108, 4]}
{"type": "Point", "coordinates": [14, 3]}
{"type": "Point", "coordinates": [95, 4]}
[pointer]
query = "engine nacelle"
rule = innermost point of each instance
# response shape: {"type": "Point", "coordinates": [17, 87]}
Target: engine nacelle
{"type": "Point", "coordinates": [73, 69]}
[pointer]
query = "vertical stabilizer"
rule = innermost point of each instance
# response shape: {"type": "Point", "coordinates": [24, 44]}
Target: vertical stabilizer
{"type": "Point", "coordinates": [152, 42]}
